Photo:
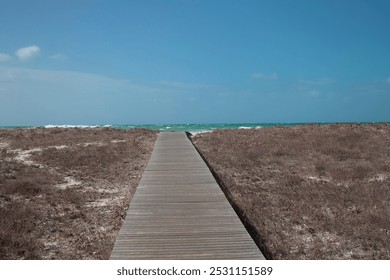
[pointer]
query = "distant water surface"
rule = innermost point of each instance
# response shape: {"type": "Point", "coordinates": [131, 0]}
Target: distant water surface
{"type": "Point", "coordinates": [192, 128]}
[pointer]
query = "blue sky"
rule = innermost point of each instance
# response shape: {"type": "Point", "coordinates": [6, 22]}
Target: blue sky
{"type": "Point", "coordinates": [193, 61]}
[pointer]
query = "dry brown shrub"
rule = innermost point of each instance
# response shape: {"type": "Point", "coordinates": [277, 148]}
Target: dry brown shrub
{"type": "Point", "coordinates": [317, 191]}
{"type": "Point", "coordinates": [17, 232]}
{"type": "Point", "coordinates": [42, 215]}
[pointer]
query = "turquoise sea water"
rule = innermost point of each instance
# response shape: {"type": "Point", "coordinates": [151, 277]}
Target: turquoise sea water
{"type": "Point", "coordinates": [193, 128]}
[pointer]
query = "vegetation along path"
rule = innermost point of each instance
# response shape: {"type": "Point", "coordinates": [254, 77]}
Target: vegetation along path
{"type": "Point", "coordinates": [180, 212]}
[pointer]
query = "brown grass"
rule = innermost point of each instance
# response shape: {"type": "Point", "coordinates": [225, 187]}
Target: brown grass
{"type": "Point", "coordinates": [64, 192]}
{"type": "Point", "coordinates": [308, 192]}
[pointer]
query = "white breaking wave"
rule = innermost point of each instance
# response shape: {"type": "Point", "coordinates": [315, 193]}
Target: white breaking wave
{"type": "Point", "coordinates": [250, 127]}
{"type": "Point", "coordinates": [199, 131]}
{"type": "Point", "coordinates": [72, 126]}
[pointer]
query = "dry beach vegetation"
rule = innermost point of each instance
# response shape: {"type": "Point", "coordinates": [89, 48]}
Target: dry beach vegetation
{"type": "Point", "coordinates": [310, 191]}
{"type": "Point", "coordinates": [64, 192]}
{"type": "Point", "coordinates": [304, 192]}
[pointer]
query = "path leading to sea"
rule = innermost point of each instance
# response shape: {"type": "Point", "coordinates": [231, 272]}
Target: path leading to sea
{"type": "Point", "coordinates": [180, 212]}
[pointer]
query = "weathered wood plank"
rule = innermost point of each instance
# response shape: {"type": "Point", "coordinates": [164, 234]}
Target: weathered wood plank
{"type": "Point", "coordinates": [180, 212]}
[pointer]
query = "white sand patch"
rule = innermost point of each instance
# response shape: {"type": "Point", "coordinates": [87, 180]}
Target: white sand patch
{"type": "Point", "coordinates": [92, 144]}
{"type": "Point", "coordinates": [103, 187]}
{"type": "Point", "coordinates": [107, 191]}
{"type": "Point", "coordinates": [118, 141]}
{"type": "Point", "coordinates": [355, 252]}
{"type": "Point", "coordinates": [3, 145]}
{"type": "Point", "coordinates": [304, 240]}
{"type": "Point", "coordinates": [297, 228]}
{"type": "Point", "coordinates": [23, 155]}
{"type": "Point", "coordinates": [329, 238]}
{"type": "Point", "coordinates": [313, 178]}
{"type": "Point", "coordinates": [354, 209]}
{"type": "Point", "coordinates": [69, 182]}
{"type": "Point", "coordinates": [378, 178]}
{"type": "Point", "coordinates": [100, 202]}
{"type": "Point", "coordinates": [103, 229]}
{"type": "Point", "coordinates": [50, 243]}
{"type": "Point", "coordinates": [61, 147]}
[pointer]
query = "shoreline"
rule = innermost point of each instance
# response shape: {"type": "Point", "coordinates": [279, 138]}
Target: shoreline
{"type": "Point", "coordinates": [193, 128]}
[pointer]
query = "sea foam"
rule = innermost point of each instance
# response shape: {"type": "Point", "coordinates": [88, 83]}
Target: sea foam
{"type": "Point", "coordinates": [70, 126]}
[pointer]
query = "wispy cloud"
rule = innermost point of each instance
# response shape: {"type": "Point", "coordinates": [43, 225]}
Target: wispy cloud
{"type": "Point", "coordinates": [58, 57]}
{"type": "Point", "coordinates": [263, 76]}
{"type": "Point", "coordinates": [374, 87]}
{"type": "Point", "coordinates": [314, 93]}
{"type": "Point", "coordinates": [75, 97]}
{"type": "Point", "coordinates": [181, 85]}
{"type": "Point", "coordinates": [5, 57]}
{"type": "Point", "coordinates": [317, 82]}
{"type": "Point", "coordinates": [71, 81]}
{"type": "Point", "coordinates": [27, 52]}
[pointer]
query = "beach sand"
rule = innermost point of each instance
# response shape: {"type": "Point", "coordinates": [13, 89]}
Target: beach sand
{"type": "Point", "coordinates": [310, 191]}
{"type": "Point", "coordinates": [64, 192]}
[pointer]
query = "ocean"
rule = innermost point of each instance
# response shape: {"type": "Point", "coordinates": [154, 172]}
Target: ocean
{"type": "Point", "coordinates": [192, 128]}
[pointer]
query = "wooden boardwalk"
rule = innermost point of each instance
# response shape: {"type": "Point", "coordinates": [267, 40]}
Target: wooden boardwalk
{"type": "Point", "coordinates": [180, 212]}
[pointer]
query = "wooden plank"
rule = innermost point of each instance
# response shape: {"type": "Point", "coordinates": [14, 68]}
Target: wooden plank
{"type": "Point", "coordinates": [180, 212]}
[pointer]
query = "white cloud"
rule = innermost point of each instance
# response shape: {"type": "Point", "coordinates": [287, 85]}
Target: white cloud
{"type": "Point", "coordinates": [50, 82]}
{"type": "Point", "coordinates": [59, 57]}
{"type": "Point", "coordinates": [72, 97]}
{"type": "Point", "coordinates": [264, 76]}
{"type": "Point", "coordinates": [181, 85]}
{"type": "Point", "coordinates": [318, 82]}
{"type": "Point", "coordinates": [5, 57]}
{"type": "Point", "coordinates": [27, 52]}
